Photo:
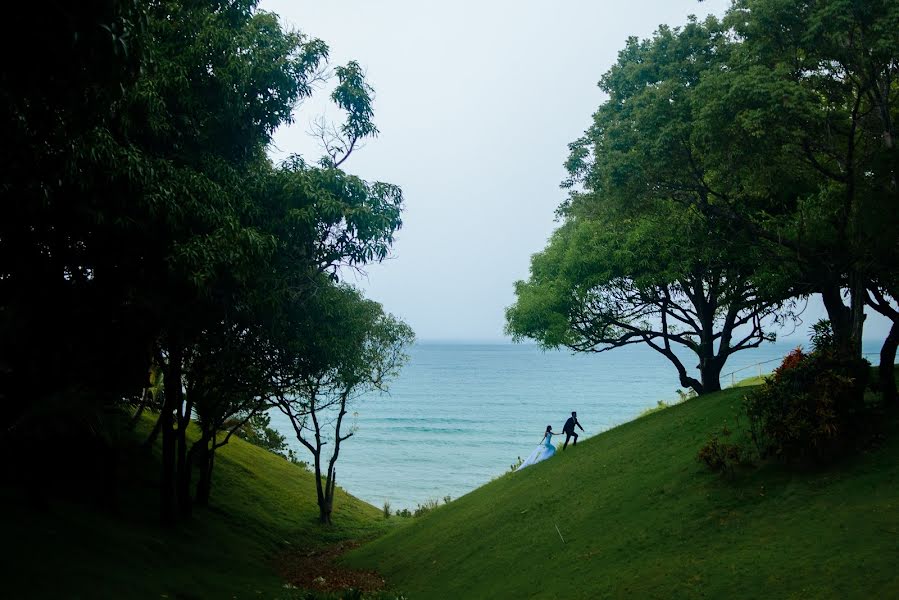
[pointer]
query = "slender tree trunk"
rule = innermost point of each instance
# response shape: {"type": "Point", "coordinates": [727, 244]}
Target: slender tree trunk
{"type": "Point", "coordinates": [173, 400]}
{"type": "Point", "coordinates": [324, 516]}
{"type": "Point", "coordinates": [324, 506]}
{"type": "Point", "coordinates": [858, 296]}
{"type": "Point", "coordinates": [204, 484]}
{"type": "Point", "coordinates": [184, 464]}
{"type": "Point", "coordinates": [331, 481]}
{"type": "Point", "coordinates": [886, 369]}
{"type": "Point", "coordinates": [327, 507]}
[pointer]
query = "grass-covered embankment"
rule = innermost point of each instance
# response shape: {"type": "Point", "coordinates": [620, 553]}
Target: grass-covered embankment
{"type": "Point", "coordinates": [261, 505]}
{"type": "Point", "coordinates": [641, 518]}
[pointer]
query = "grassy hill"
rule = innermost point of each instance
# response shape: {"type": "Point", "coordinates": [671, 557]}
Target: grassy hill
{"type": "Point", "coordinates": [261, 505]}
{"type": "Point", "coordinates": [641, 518]}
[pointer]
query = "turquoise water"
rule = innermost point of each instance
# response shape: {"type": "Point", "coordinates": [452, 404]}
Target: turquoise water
{"type": "Point", "coordinates": [460, 414]}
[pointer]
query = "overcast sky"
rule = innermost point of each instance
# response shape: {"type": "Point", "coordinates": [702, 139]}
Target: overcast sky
{"type": "Point", "coordinates": [476, 103]}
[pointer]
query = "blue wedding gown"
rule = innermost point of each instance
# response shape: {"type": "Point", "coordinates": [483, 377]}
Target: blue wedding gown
{"type": "Point", "coordinates": [541, 452]}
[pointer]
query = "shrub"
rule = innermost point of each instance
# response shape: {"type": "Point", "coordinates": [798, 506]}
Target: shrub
{"type": "Point", "coordinates": [720, 455]}
{"type": "Point", "coordinates": [295, 459]}
{"type": "Point", "coordinates": [386, 509]}
{"type": "Point", "coordinates": [259, 432]}
{"type": "Point", "coordinates": [790, 361]}
{"type": "Point", "coordinates": [813, 408]}
{"type": "Point", "coordinates": [516, 464]}
{"type": "Point", "coordinates": [423, 509]}
{"type": "Point", "coordinates": [683, 396]}
{"type": "Point", "coordinates": [660, 405]}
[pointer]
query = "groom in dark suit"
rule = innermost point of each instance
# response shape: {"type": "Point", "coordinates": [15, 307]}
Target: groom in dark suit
{"type": "Point", "coordinates": [568, 429]}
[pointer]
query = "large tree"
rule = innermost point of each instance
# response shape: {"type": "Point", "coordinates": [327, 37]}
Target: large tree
{"type": "Point", "coordinates": [634, 262]}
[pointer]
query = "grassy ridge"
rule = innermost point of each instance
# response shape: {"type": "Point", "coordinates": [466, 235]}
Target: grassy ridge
{"type": "Point", "coordinates": [642, 518]}
{"type": "Point", "coordinates": [260, 503]}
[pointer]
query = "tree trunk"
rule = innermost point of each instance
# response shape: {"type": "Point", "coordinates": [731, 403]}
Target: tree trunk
{"type": "Point", "coordinates": [710, 370]}
{"type": "Point", "coordinates": [709, 366]}
{"type": "Point", "coordinates": [172, 396]}
{"type": "Point", "coordinates": [185, 464]}
{"type": "Point", "coordinates": [839, 316]}
{"type": "Point", "coordinates": [846, 322]}
{"type": "Point", "coordinates": [324, 513]}
{"type": "Point", "coordinates": [204, 484]}
{"type": "Point", "coordinates": [327, 507]}
{"type": "Point", "coordinates": [886, 369]}
{"type": "Point", "coordinates": [857, 301]}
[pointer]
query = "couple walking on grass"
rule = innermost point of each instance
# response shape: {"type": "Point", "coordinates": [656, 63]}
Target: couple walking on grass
{"type": "Point", "coordinates": [546, 449]}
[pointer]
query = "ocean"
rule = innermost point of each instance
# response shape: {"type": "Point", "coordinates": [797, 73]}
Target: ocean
{"type": "Point", "coordinates": [460, 414]}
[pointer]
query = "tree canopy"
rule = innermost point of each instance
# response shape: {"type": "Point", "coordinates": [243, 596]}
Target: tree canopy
{"type": "Point", "coordinates": [757, 154]}
{"type": "Point", "coordinates": [147, 231]}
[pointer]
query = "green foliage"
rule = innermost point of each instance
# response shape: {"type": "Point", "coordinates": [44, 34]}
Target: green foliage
{"type": "Point", "coordinates": [514, 466]}
{"type": "Point", "coordinates": [813, 408]}
{"type": "Point", "coordinates": [683, 396]}
{"type": "Point", "coordinates": [295, 459]}
{"type": "Point", "coordinates": [812, 108]}
{"type": "Point", "coordinates": [146, 224]}
{"type": "Point", "coordinates": [258, 431]}
{"type": "Point", "coordinates": [423, 509]}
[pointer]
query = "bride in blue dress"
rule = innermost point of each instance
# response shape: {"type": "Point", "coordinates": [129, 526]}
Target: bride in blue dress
{"type": "Point", "coordinates": [543, 451]}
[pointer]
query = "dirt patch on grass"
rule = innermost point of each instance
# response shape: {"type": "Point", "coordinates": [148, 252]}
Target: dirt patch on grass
{"type": "Point", "coordinates": [319, 570]}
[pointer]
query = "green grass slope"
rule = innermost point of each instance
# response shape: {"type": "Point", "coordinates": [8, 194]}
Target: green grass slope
{"type": "Point", "coordinates": [260, 504]}
{"type": "Point", "coordinates": [641, 518]}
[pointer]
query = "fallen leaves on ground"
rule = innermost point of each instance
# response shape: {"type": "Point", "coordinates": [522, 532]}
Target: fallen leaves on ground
{"type": "Point", "coordinates": [318, 570]}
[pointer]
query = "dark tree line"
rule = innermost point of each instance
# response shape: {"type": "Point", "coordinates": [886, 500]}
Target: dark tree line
{"type": "Point", "coordinates": [148, 235]}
